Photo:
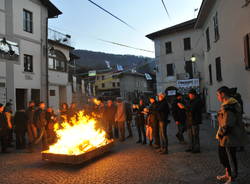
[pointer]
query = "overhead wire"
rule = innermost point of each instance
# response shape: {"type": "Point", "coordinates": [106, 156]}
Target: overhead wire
{"type": "Point", "coordinates": [112, 14]}
{"type": "Point", "coordinates": [123, 45]}
{"type": "Point", "coordinates": [165, 8]}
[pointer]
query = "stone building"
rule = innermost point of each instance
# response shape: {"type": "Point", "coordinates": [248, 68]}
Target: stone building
{"type": "Point", "coordinates": [60, 88]}
{"type": "Point", "coordinates": [24, 50]}
{"type": "Point", "coordinates": [226, 43]}
{"type": "Point", "coordinates": [179, 56]}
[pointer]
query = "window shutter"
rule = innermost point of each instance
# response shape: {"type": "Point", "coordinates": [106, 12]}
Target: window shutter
{"type": "Point", "coordinates": [210, 74]}
{"type": "Point", "coordinates": [218, 69]}
{"type": "Point", "coordinates": [247, 51]}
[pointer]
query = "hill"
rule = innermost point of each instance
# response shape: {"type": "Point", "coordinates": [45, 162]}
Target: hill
{"type": "Point", "coordinates": [90, 60]}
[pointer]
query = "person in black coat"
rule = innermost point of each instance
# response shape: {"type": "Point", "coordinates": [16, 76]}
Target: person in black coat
{"type": "Point", "coordinates": [154, 120]}
{"type": "Point", "coordinates": [163, 113]}
{"type": "Point", "coordinates": [194, 119]}
{"type": "Point", "coordinates": [129, 118]}
{"type": "Point", "coordinates": [51, 120]}
{"type": "Point", "coordinates": [31, 126]}
{"type": "Point", "coordinates": [41, 123]}
{"type": "Point", "coordinates": [3, 130]}
{"type": "Point", "coordinates": [179, 116]}
{"type": "Point", "coordinates": [20, 128]}
{"type": "Point", "coordinates": [140, 122]}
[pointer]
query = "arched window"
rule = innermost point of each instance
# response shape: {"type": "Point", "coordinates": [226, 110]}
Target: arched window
{"type": "Point", "coordinates": [57, 61]}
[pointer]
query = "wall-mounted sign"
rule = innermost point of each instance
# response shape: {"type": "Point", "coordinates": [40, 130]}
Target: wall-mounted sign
{"type": "Point", "coordinates": [171, 92]}
{"type": "Point", "coordinates": [92, 73]}
{"type": "Point", "coordinates": [28, 77]}
{"type": "Point", "coordinates": [3, 95]}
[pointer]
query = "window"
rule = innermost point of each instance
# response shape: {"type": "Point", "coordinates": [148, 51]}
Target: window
{"type": "Point", "coordinates": [52, 92]}
{"type": "Point", "coordinates": [170, 69]}
{"type": "Point", "coordinates": [113, 84]}
{"type": "Point", "coordinates": [247, 51]}
{"type": "Point", "coordinates": [187, 43]}
{"type": "Point", "coordinates": [27, 21]}
{"type": "Point", "coordinates": [28, 63]}
{"type": "Point", "coordinates": [216, 28]}
{"type": "Point", "coordinates": [118, 84]}
{"type": "Point", "coordinates": [208, 39]}
{"type": "Point", "coordinates": [102, 77]}
{"type": "Point", "coordinates": [168, 46]}
{"type": "Point", "coordinates": [103, 85]}
{"type": "Point", "coordinates": [210, 74]}
{"type": "Point", "coordinates": [218, 69]}
{"type": "Point", "coordinates": [58, 62]}
{"type": "Point", "coordinates": [51, 63]}
{"type": "Point", "coordinates": [189, 69]}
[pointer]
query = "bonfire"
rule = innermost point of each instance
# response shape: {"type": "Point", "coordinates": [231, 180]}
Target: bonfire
{"type": "Point", "coordinates": [78, 136]}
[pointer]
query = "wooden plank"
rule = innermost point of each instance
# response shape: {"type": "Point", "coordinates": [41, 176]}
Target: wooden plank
{"type": "Point", "coordinates": [76, 159]}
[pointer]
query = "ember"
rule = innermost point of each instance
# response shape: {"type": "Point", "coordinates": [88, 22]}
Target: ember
{"type": "Point", "coordinates": [78, 136]}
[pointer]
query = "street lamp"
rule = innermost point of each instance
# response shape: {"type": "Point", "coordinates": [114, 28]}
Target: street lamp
{"type": "Point", "coordinates": [193, 58]}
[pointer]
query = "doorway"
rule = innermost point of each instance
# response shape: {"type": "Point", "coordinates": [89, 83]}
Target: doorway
{"type": "Point", "coordinates": [21, 99]}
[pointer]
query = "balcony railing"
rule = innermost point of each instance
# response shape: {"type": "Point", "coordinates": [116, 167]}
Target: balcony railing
{"type": "Point", "coordinates": [184, 76]}
{"type": "Point", "coordinates": [59, 37]}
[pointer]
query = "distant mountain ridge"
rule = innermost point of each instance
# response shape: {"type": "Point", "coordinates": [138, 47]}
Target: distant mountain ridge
{"type": "Point", "coordinates": [90, 60]}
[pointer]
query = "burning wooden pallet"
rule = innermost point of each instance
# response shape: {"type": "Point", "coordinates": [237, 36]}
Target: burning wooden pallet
{"type": "Point", "coordinates": [77, 159]}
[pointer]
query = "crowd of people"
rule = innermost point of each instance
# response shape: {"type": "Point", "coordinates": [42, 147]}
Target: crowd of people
{"type": "Point", "coordinates": [151, 116]}
{"type": "Point", "coordinates": [37, 122]}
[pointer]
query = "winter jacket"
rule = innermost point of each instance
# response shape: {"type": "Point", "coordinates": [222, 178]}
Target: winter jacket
{"type": "Point", "coordinates": [20, 121]}
{"type": "Point", "coordinates": [40, 118]}
{"type": "Point", "coordinates": [30, 112]}
{"type": "Point", "coordinates": [194, 112]}
{"type": "Point", "coordinates": [231, 130]}
{"type": "Point", "coordinates": [139, 115]}
{"type": "Point", "coordinates": [178, 114]}
{"type": "Point", "coordinates": [109, 113]}
{"type": "Point", "coordinates": [120, 115]}
{"type": "Point", "coordinates": [128, 111]}
{"type": "Point", "coordinates": [163, 110]}
{"type": "Point", "coordinates": [3, 124]}
{"type": "Point", "coordinates": [153, 114]}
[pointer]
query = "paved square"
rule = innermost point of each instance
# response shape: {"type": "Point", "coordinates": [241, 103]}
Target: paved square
{"type": "Point", "coordinates": [128, 163]}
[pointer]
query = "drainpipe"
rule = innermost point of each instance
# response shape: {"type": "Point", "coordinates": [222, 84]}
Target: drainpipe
{"type": "Point", "coordinates": [47, 61]}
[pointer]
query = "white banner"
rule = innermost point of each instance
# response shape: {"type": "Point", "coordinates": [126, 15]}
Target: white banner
{"type": "Point", "coordinates": [188, 83]}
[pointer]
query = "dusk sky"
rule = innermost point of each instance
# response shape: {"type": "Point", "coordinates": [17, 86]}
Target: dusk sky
{"type": "Point", "coordinates": [87, 23]}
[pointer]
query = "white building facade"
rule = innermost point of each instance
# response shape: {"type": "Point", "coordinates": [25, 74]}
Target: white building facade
{"type": "Point", "coordinates": [226, 41]}
{"type": "Point", "coordinates": [23, 66]}
{"type": "Point", "coordinates": [179, 55]}
{"type": "Point", "coordinates": [60, 89]}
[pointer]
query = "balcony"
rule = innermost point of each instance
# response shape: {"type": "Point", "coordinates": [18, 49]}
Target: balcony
{"type": "Point", "coordinates": [185, 76]}
{"type": "Point", "coordinates": [59, 37]}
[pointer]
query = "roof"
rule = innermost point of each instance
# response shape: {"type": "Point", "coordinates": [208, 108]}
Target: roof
{"type": "Point", "coordinates": [170, 30]}
{"type": "Point", "coordinates": [60, 44]}
{"type": "Point", "coordinates": [132, 73]}
{"type": "Point", "coordinates": [53, 11]}
{"type": "Point", "coordinates": [205, 9]}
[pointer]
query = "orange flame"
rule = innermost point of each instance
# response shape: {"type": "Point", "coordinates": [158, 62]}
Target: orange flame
{"type": "Point", "coordinates": [78, 136]}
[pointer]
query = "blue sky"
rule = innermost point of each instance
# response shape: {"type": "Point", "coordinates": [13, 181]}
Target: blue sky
{"type": "Point", "coordinates": [86, 23]}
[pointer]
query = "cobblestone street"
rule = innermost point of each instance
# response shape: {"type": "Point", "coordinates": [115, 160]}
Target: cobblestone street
{"type": "Point", "coordinates": [128, 163]}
